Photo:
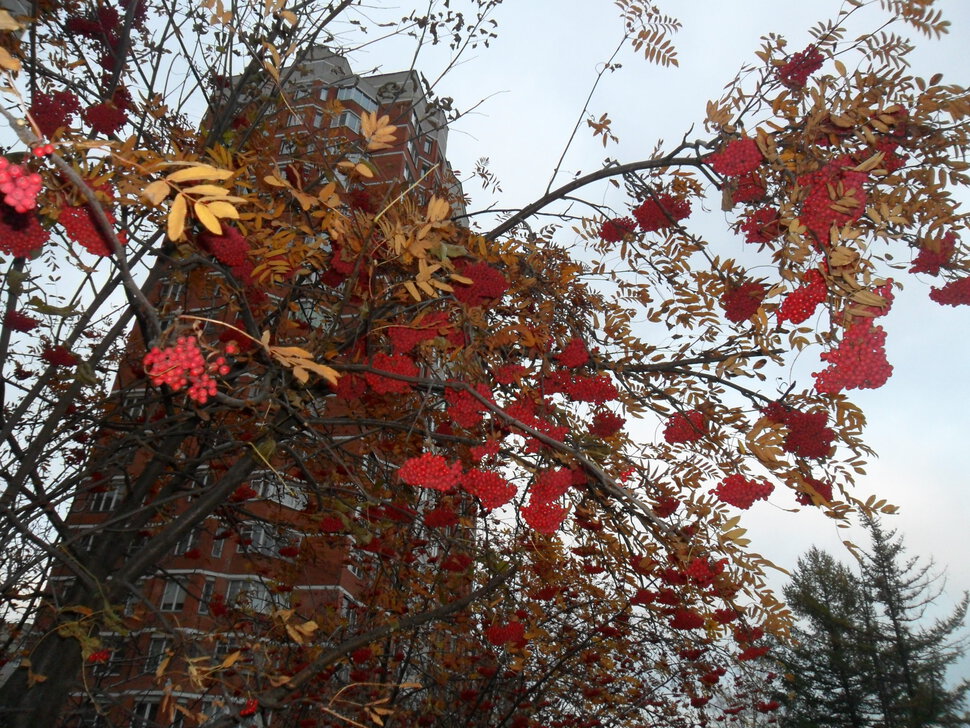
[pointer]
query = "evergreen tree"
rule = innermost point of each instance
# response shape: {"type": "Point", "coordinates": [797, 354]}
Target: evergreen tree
{"type": "Point", "coordinates": [866, 655]}
{"type": "Point", "coordinates": [829, 664]}
{"type": "Point", "coordinates": [909, 658]}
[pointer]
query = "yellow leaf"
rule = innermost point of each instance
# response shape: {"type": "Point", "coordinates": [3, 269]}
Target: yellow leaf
{"type": "Point", "coordinates": [9, 62]}
{"type": "Point", "coordinates": [221, 208]}
{"type": "Point", "coordinates": [364, 171]}
{"type": "Point", "coordinates": [438, 209]}
{"type": "Point", "coordinates": [7, 22]}
{"type": "Point", "coordinates": [230, 660]}
{"type": "Point", "coordinates": [274, 181]}
{"type": "Point", "coordinates": [413, 290]}
{"type": "Point", "coordinates": [199, 171]}
{"type": "Point", "coordinates": [378, 131]}
{"type": "Point", "coordinates": [205, 190]}
{"type": "Point", "coordinates": [156, 192]}
{"type": "Point", "coordinates": [840, 67]}
{"type": "Point", "coordinates": [176, 217]}
{"type": "Point", "coordinates": [289, 16]}
{"type": "Point", "coordinates": [206, 217]}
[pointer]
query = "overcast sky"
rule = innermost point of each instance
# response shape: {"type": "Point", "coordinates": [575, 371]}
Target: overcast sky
{"type": "Point", "coordinates": [534, 80]}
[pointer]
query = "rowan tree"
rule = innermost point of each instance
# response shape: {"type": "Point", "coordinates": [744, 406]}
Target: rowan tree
{"type": "Point", "coordinates": [206, 348]}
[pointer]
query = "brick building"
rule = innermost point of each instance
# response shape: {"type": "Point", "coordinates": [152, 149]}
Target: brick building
{"type": "Point", "coordinates": [222, 565]}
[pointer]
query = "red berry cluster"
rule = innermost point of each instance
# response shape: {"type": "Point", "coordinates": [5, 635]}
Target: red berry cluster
{"type": "Point", "coordinates": [501, 634]}
{"type": "Point", "coordinates": [738, 157]}
{"type": "Point", "coordinates": [81, 227]}
{"type": "Point", "coordinates": [859, 361]}
{"type": "Point", "coordinates": [549, 485]}
{"type": "Point", "coordinates": [543, 517]}
{"type": "Point", "coordinates": [661, 212]}
{"type": "Point", "coordinates": [430, 471]}
{"type": "Point", "coordinates": [395, 364]}
{"type": "Point", "coordinates": [597, 389]}
{"type": "Point", "coordinates": [701, 572]}
{"type": "Point", "coordinates": [761, 226]}
{"type": "Point", "coordinates": [19, 187]}
{"type": "Point", "coordinates": [606, 424]}
{"type": "Point", "coordinates": [442, 516]}
{"type": "Point", "coordinates": [59, 356]}
{"type": "Point", "coordinates": [464, 409]}
{"type": "Point", "coordinates": [101, 656]}
{"type": "Point", "coordinates": [753, 653]}
{"type": "Point", "coordinates": [835, 183]}
{"type": "Point", "coordinates": [742, 302]}
{"type": "Point", "coordinates": [808, 437]}
{"type": "Point", "coordinates": [20, 233]}
{"type": "Point", "coordinates": [488, 284]}
{"type": "Point", "coordinates": [480, 452]}
{"type": "Point", "coordinates": [613, 231]}
{"type": "Point", "coordinates": [17, 321]}
{"type": "Point", "coordinates": [823, 489]}
{"type": "Point", "coordinates": [250, 708]}
{"type": "Point", "coordinates": [573, 354]}
{"type": "Point", "coordinates": [490, 488]}
{"type": "Point", "coordinates": [404, 339]}
{"type": "Point", "coordinates": [687, 427]}
{"type": "Point", "coordinates": [105, 118]}
{"type": "Point", "coordinates": [666, 506]}
{"type": "Point", "coordinates": [183, 366]}
{"type": "Point", "coordinates": [802, 302]}
{"type": "Point", "coordinates": [509, 373]}
{"type": "Point", "coordinates": [52, 111]}
{"type": "Point", "coordinates": [43, 150]}
{"type": "Point", "coordinates": [936, 253]}
{"type": "Point", "coordinates": [749, 188]}
{"type": "Point", "coordinates": [800, 66]}
{"type": "Point", "coordinates": [230, 248]}
{"type": "Point", "coordinates": [954, 293]}
{"type": "Point", "coordinates": [686, 619]}
{"type": "Point", "coordinates": [738, 491]}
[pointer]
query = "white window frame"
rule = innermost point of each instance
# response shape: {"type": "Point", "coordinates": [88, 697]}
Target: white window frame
{"type": "Point", "coordinates": [173, 596]}
{"type": "Point", "coordinates": [157, 647]}
{"type": "Point", "coordinates": [187, 542]}
{"type": "Point", "coordinates": [253, 594]}
{"type": "Point", "coordinates": [348, 119]}
{"type": "Point", "coordinates": [205, 596]}
{"type": "Point", "coordinates": [106, 500]}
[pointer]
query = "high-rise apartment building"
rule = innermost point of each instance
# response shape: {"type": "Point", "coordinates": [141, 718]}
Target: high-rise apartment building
{"type": "Point", "coordinates": [227, 564]}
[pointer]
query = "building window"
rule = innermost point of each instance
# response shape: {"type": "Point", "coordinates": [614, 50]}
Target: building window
{"type": "Point", "coordinates": [188, 542]}
{"type": "Point", "coordinates": [173, 598]}
{"type": "Point", "coordinates": [428, 142]}
{"type": "Point", "coordinates": [205, 596]}
{"type": "Point", "coordinates": [251, 593]}
{"type": "Point", "coordinates": [348, 119]}
{"type": "Point", "coordinates": [217, 545]}
{"type": "Point", "coordinates": [112, 666]}
{"type": "Point", "coordinates": [157, 649]}
{"type": "Point", "coordinates": [146, 715]}
{"type": "Point", "coordinates": [287, 148]}
{"type": "Point", "coordinates": [271, 487]}
{"type": "Point", "coordinates": [105, 500]}
{"type": "Point", "coordinates": [171, 291]}
{"type": "Point", "coordinates": [266, 540]}
{"type": "Point", "coordinates": [358, 97]}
